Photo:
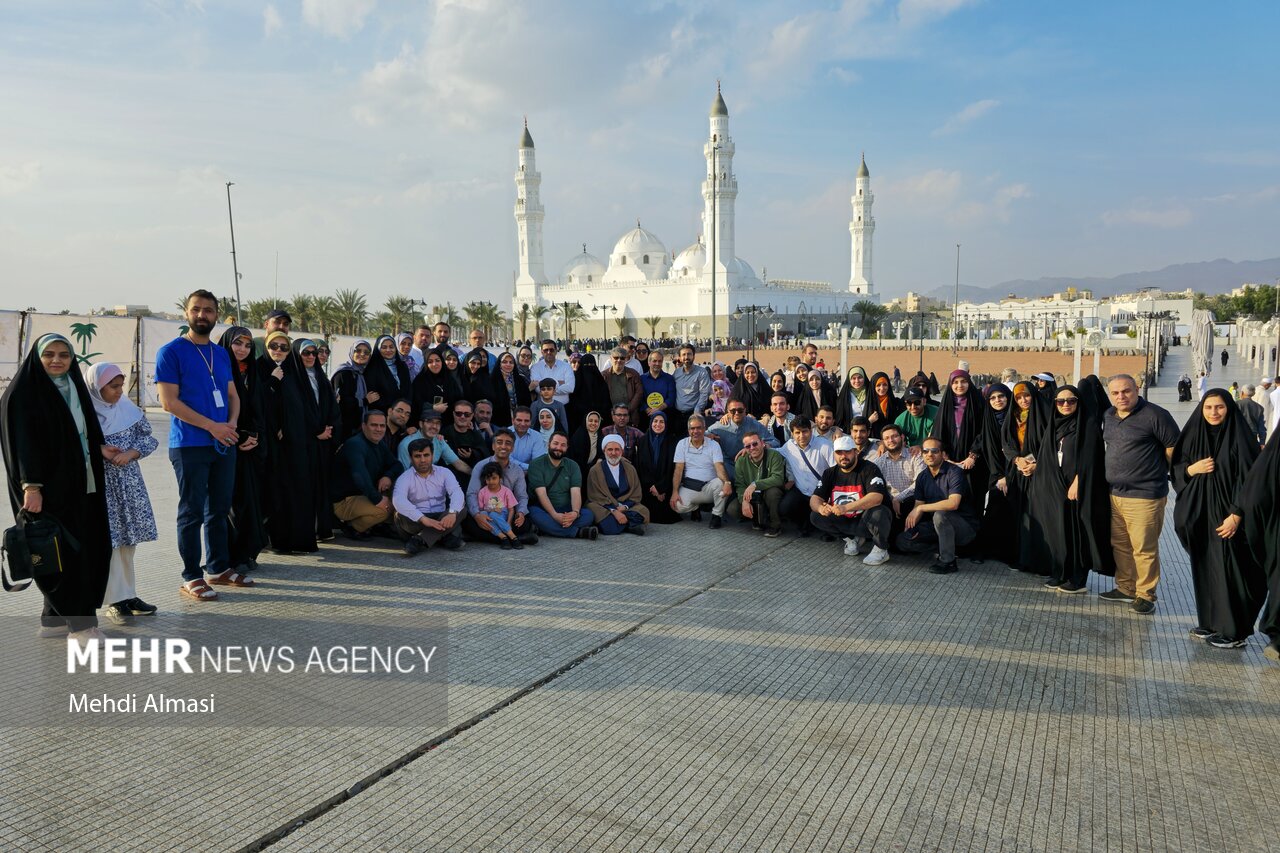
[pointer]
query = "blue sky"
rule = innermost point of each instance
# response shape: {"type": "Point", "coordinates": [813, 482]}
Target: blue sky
{"type": "Point", "coordinates": [373, 143]}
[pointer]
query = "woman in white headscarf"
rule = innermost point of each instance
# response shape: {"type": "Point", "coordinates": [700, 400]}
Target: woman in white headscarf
{"type": "Point", "coordinates": [613, 491]}
{"type": "Point", "coordinates": [126, 438]}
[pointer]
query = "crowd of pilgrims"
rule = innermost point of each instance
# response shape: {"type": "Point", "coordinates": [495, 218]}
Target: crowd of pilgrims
{"type": "Point", "coordinates": [506, 446]}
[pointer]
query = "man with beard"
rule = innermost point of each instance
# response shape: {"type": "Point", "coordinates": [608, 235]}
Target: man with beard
{"type": "Point", "coordinates": [777, 424]}
{"type": "Point", "coordinates": [943, 516]}
{"type": "Point", "coordinates": [440, 343]}
{"type": "Point", "coordinates": [758, 481]}
{"type": "Point", "coordinates": [476, 524]}
{"type": "Point", "coordinates": [463, 438]}
{"type": "Point", "coordinates": [441, 454]}
{"type": "Point", "coordinates": [421, 342]}
{"type": "Point", "coordinates": [428, 503]}
{"type": "Point", "coordinates": [731, 432]}
{"type": "Point", "coordinates": [398, 428]}
{"type": "Point", "coordinates": [193, 376]}
{"type": "Point", "coordinates": [621, 427]}
{"type": "Point", "coordinates": [824, 424]}
{"type": "Point", "coordinates": [363, 474]}
{"type": "Point", "coordinates": [693, 387]}
{"type": "Point", "coordinates": [850, 502]}
{"type": "Point", "coordinates": [807, 457]}
{"type": "Point", "coordinates": [900, 468]}
{"type": "Point", "coordinates": [278, 320]}
{"type": "Point", "coordinates": [556, 482]}
{"type": "Point", "coordinates": [529, 445]}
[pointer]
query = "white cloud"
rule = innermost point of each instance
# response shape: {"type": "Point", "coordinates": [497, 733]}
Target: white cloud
{"type": "Point", "coordinates": [916, 12]}
{"type": "Point", "coordinates": [969, 114]}
{"type": "Point", "coordinates": [338, 18]}
{"type": "Point", "coordinates": [932, 189]}
{"type": "Point", "coordinates": [843, 75]}
{"type": "Point", "coordinates": [271, 21]}
{"type": "Point", "coordinates": [15, 179]}
{"type": "Point", "coordinates": [1260, 195]}
{"type": "Point", "coordinates": [1169, 217]}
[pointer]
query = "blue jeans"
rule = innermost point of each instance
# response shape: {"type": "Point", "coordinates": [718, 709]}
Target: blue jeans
{"type": "Point", "coordinates": [548, 526]}
{"type": "Point", "coordinates": [499, 521]}
{"type": "Point", "coordinates": [206, 479]}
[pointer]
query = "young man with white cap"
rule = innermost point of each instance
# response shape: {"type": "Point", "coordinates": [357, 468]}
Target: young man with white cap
{"type": "Point", "coordinates": [850, 501]}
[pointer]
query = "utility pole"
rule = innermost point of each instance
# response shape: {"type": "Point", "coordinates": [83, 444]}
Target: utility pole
{"type": "Point", "coordinates": [234, 268]}
{"type": "Point", "coordinates": [955, 308]}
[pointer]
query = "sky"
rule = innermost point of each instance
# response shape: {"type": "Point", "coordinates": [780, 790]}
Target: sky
{"type": "Point", "coordinates": [373, 144]}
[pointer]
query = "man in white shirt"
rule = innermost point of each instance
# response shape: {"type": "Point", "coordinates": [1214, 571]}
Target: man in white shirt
{"type": "Point", "coordinates": [1262, 396]}
{"type": "Point", "coordinates": [807, 457]}
{"type": "Point", "coordinates": [551, 367]}
{"type": "Point", "coordinates": [1275, 408]}
{"type": "Point", "coordinates": [700, 477]}
{"type": "Point", "coordinates": [428, 502]}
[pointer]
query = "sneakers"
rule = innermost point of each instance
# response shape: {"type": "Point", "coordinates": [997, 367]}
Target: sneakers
{"type": "Point", "coordinates": [1272, 651]}
{"type": "Point", "coordinates": [1070, 588]}
{"type": "Point", "coordinates": [453, 543]}
{"type": "Point", "coordinates": [852, 546]}
{"type": "Point", "coordinates": [1144, 606]}
{"type": "Point", "coordinates": [716, 522]}
{"type": "Point", "coordinates": [1116, 595]}
{"type": "Point", "coordinates": [635, 529]}
{"type": "Point", "coordinates": [47, 632]}
{"type": "Point", "coordinates": [413, 546]}
{"type": "Point", "coordinates": [1051, 585]}
{"type": "Point", "coordinates": [94, 633]}
{"type": "Point", "coordinates": [591, 533]}
{"type": "Point", "coordinates": [944, 568]}
{"type": "Point", "coordinates": [138, 607]}
{"type": "Point", "coordinates": [119, 613]}
{"type": "Point", "coordinates": [1220, 642]}
{"type": "Point", "coordinates": [505, 545]}
{"type": "Point", "coordinates": [1198, 633]}
{"type": "Point", "coordinates": [773, 533]}
{"type": "Point", "coordinates": [877, 557]}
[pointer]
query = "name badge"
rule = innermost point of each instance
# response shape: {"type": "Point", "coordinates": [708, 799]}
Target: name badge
{"type": "Point", "coordinates": [217, 399]}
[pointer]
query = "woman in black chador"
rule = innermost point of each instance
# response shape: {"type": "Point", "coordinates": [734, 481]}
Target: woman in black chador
{"type": "Point", "coordinates": [1211, 460]}
{"type": "Point", "coordinates": [387, 375]}
{"type": "Point", "coordinates": [656, 466]}
{"type": "Point", "coordinates": [323, 422]}
{"type": "Point", "coordinates": [293, 450]}
{"type": "Point", "coordinates": [589, 394]}
{"type": "Point", "coordinates": [1020, 439]}
{"type": "Point", "coordinates": [1069, 492]}
{"type": "Point", "coordinates": [52, 446]}
{"type": "Point", "coordinates": [1262, 533]}
{"type": "Point", "coordinates": [960, 426]}
{"type": "Point", "coordinates": [997, 518]}
{"type": "Point", "coordinates": [435, 388]}
{"type": "Point", "coordinates": [246, 528]}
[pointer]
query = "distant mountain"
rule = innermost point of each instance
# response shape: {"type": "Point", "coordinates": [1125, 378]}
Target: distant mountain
{"type": "Point", "coordinates": [1210, 277]}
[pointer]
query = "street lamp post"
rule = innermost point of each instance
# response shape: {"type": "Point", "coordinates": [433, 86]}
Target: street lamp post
{"type": "Point", "coordinates": [234, 268]}
{"type": "Point", "coordinates": [922, 342]}
{"type": "Point", "coordinates": [603, 317]}
{"type": "Point", "coordinates": [564, 307]}
{"type": "Point", "coordinates": [751, 312]}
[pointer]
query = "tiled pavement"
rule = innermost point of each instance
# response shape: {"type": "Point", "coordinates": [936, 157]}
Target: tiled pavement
{"type": "Point", "coordinates": [751, 694]}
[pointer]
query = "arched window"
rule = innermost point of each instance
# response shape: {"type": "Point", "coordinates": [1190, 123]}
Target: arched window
{"type": "Point", "coordinates": [588, 279]}
{"type": "Point", "coordinates": [646, 259]}
{"type": "Point", "coordinates": [715, 137]}
{"type": "Point", "coordinates": [623, 262]}
{"type": "Point", "coordinates": [522, 167]}
{"type": "Point", "coordinates": [859, 191]}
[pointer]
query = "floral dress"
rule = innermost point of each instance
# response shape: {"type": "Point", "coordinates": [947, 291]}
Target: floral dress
{"type": "Point", "coordinates": [128, 504]}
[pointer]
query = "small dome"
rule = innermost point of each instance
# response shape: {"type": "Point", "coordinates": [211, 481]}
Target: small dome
{"type": "Point", "coordinates": [863, 172]}
{"type": "Point", "coordinates": [691, 260]}
{"type": "Point", "coordinates": [718, 107]}
{"type": "Point", "coordinates": [638, 241]}
{"type": "Point", "coordinates": [585, 268]}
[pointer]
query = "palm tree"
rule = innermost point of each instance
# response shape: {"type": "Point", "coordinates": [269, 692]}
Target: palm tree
{"type": "Point", "coordinates": [539, 314]}
{"type": "Point", "coordinates": [353, 310]}
{"type": "Point", "coordinates": [255, 312]}
{"type": "Point", "coordinates": [84, 332]}
{"type": "Point", "coordinates": [326, 312]}
{"type": "Point", "coordinates": [869, 314]}
{"type": "Point", "coordinates": [621, 323]}
{"type": "Point", "coordinates": [652, 323]}
{"type": "Point", "coordinates": [572, 315]}
{"type": "Point", "coordinates": [302, 309]}
{"type": "Point", "coordinates": [401, 310]}
{"type": "Point", "coordinates": [382, 323]}
{"type": "Point", "coordinates": [447, 314]}
{"type": "Point", "coordinates": [522, 316]}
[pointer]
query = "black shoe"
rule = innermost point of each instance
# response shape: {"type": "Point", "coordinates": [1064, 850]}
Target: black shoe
{"type": "Point", "coordinates": [636, 529]}
{"type": "Point", "coordinates": [1220, 642]}
{"type": "Point", "coordinates": [140, 608]}
{"type": "Point", "coordinates": [1198, 633]}
{"type": "Point", "coordinates": [453, 543]}
{"type": "Point", "coordinates": [1070, 588]}
{"type": "Point", "coordinates": [529, 538]}
{"type": "Point", "coordinates": [516, 544]}
{"type": "Point", "coordinates": [773, 533]}
{"type": "Point", "coordinates": [413, 546]}
{"type": "Point", "coordinates": [756, 525]}
{"type": "Point", "coordinates": [696, 515]}
{"type": "Point", "coordinates": [1144, 606]}
{"type": "Point", "coordinates": [827, 537]}
{"type": "Point", "coordinates": [1051, 584]}
{"type": "Point", "coordinates": [1116, 595]}
{"type": "Point", "coordinates": [505, 545]}
{"type": "Point", "coordinates": [944, 568]}
{"type": "Point", "coordinates": [593, 533]}
{"type": "Point", "coordinates": [715, 522]}
{"type": "Point", "coordinates": [119, 614]}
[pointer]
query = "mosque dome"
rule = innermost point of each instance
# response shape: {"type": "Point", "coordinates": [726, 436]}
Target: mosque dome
{"type": "Point", "coordinates": [638, 256]}
{"type": "Point", "coordinates": [691, 261]}
{"type": "Point", "coordinates": [585, 268]}
{"type": "Point", "coordinates": [638, 241]}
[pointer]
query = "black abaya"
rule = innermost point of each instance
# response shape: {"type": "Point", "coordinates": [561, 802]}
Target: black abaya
{"type": "Point", "coordinates": [590, 393]}
{"type": "Point", "coordinates": [958, 443]}
{"type": "Point", "coordinates": [291, 422]}
{"type": "Point", "coordinates": [1031, 552]}
{"type": "Point", "coordinates": [656, 467]}
{"type": "Point", "coordinates": [1228, 578]}
{"type": "Point", "coordinates": [246, 528]}
{"type": "Point", "coordinates": [1262, 530]}
{"type": "Point", "coordinates": [878, 414]}
{"type": "Point", "coordinates": [41, 444]}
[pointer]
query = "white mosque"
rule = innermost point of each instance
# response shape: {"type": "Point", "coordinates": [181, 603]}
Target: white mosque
{"type": "Point", "coordinates": [643, 280]}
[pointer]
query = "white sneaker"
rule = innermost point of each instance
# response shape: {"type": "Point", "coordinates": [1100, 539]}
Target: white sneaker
{"type": "Point", "coordinates": [82, 637]}
{"type": "Point", "coordinates": [47, 632]}
{"type": "Point", "coordinates": [877, 557]}
{"type": "Point", "coordinates": [852, 546]}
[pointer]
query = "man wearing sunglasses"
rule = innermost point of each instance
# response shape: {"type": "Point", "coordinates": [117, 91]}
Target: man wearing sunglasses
{"type": "Point", "coordinates": [916, 422]}
{"type": "Point", "coordinates": [943, 517]}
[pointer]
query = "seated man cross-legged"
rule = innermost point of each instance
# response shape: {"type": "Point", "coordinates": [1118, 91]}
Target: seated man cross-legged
{"type": "Point", "coordinates": [613, 492]}
{"type": "Point", "coordinates": [428, 502]}
{"type": "Point", "coordinates": [556, 482]}
{"type": "Point", "coordinates": [363, 473]}
{"type": "Point", "coordinates": [850, 501]}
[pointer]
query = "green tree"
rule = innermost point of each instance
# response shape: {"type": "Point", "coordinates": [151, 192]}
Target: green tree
{"type": "Point", "coordinates": [869, 314]}
{"type": "Point", "coordinates": [622, 324]}
{"type": "Point", "coordinates": [401, 310]}
{"type": "Point", "coordinates": [326, 313]}
{"type": "Point", "coordinates": [353, 311]}
{"type": "Point", "coordinates": [382, 323]}
{"type": "Point", "coordinates": [255, 312]}
{"type": "Point", "coordinates": [574, 314]}
{"type": "Point", "coordinates": [540, 313]}
{"type": "Point", "coordinates": [301, 309]}
{"type": "Point", "coordinates": [522, 317]}
{"type": "Point", "coordinates": [652, 323]}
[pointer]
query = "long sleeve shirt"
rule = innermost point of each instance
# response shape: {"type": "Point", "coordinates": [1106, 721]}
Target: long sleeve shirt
{"type": "Point", "coordinates": [693, 387]}
{"type": "Point", "coordinates": [360, 464]}
{"type": "Point", "coordinates": [770, 472]}
{"type": "Point", "coordinates": [441, 454]}
{"type": "Point", "coordinates": [528, 448]}
{"type": "Point", "coordinates": [512, 478]}
{"type": "Point", "coordinates": [899, 474]}
{"type": "Point", "coordinates": [415, 495]}
{"type": "Point", "coordinates": [561, 372]}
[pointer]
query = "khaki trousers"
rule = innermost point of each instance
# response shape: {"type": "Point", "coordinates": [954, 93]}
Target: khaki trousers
{"type": "Point", "coordinates": [360, 513]}
{"type": "Point", "coordinates": [1135, 537]}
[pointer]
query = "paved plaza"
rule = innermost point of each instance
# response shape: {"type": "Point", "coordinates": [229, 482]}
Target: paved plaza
{"type": "Point", "coordinates": [688, 690]}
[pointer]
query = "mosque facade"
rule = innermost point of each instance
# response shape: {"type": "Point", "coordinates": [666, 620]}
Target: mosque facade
{"type": "Point", "coordinates": [642, 279]}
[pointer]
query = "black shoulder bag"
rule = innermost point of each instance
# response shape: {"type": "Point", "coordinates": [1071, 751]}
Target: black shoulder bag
{"type": "Point", "coordinates": [35, 550]}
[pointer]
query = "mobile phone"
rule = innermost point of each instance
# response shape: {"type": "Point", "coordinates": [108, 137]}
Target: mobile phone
{"type": "Point", "coordinates": [1030, 457]}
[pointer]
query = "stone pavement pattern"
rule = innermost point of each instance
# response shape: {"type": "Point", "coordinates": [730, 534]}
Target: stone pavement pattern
{"type": "Point", "coordinates": [750, 694]}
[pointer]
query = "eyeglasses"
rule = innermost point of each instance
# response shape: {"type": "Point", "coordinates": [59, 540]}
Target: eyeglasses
{"type": "Point", "coordinates": [308, 352]}
{"type": "Point", "coordinates": [280, 348]}
{"type": "Point", "coordinates": [462, 414]}
{"type": "Point", "coordinates": [737, 411]}
{"type": "Point", "coordinates": [915, 402]}
{"type": "Point", "coordinates": [363, 351]}
{"type": "Point", "coordinates": [1067, 401]}
{"type": "Point", "coordinates": [931, 450]}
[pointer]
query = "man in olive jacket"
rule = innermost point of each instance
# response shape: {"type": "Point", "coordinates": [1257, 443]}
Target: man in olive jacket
{"type": "Point", "coordinates": [758, 476]}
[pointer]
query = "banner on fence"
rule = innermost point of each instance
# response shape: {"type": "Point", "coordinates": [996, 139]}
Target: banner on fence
{"type": "Point", "coordinates": [11, 354]}
{"type": "Point", "coordinates": [94, 339]}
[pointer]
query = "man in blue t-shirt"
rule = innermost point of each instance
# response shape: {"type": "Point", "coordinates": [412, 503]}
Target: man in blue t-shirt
{"type": "Point", "coordinates": [196, 387]}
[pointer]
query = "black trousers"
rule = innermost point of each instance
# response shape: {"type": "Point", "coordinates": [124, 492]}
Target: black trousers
{"type": "Point", "coordinates": [765, 506]}
{"type": "Point", "coordinates": [872, 524]}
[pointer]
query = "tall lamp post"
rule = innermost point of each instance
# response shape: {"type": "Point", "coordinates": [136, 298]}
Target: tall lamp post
{"type": "Point", "coordinates": [955, 307]}
{"type": "Point", "coordinates": [234, 268]}
{"type": "Point", "coordinates": [603, 309]}
{"type": "Point", "coordinates": [751, 312]}
{"type": "Point", "coordinates": [921, 341]}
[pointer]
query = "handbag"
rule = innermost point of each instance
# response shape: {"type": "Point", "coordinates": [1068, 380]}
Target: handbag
{"type": "Point", "coordinates": [692, 484]}
{"type": "Point", "coordinates": [34, 550]}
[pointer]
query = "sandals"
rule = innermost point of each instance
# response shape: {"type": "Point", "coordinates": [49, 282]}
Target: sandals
{"type": "Point", "coordinates": [199, 590]}
{"type": "Point", "coordinates": [231, 578]}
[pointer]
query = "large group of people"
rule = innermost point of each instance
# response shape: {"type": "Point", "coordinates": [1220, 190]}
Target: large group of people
{"type": "Point", "coordinates": [434, 445]}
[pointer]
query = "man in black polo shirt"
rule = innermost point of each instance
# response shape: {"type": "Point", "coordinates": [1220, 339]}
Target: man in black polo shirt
{"type": "Point", "coordinates": [850, 501]}
{"type": "Point", "coordinates": [943, 517]}
{"type": "Point", "coordinates": [1140, 437]}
